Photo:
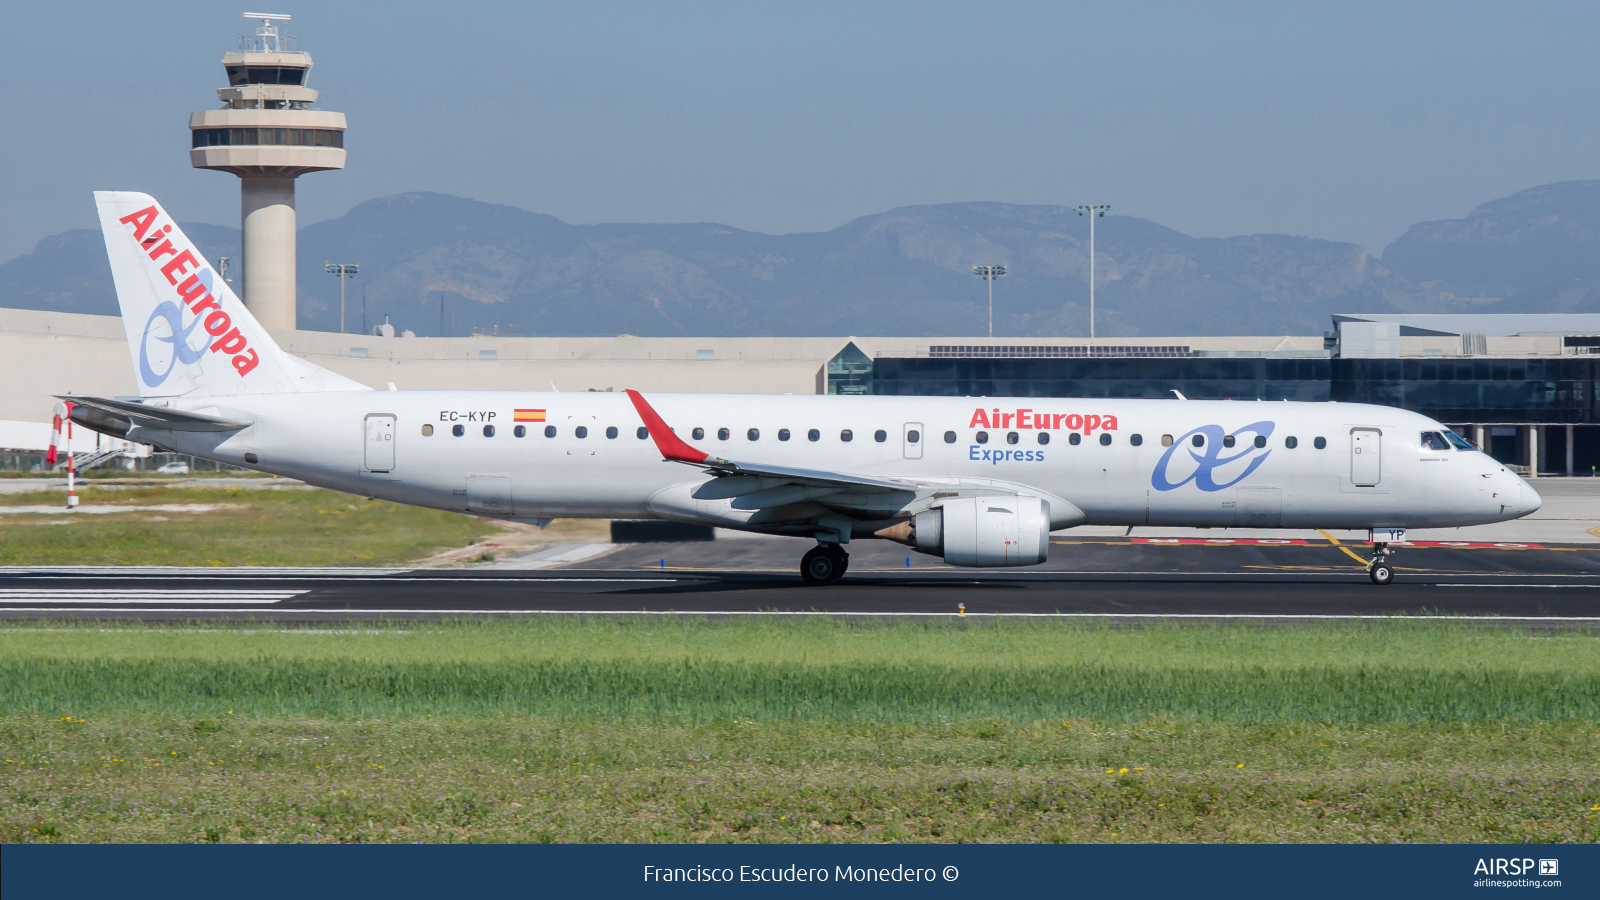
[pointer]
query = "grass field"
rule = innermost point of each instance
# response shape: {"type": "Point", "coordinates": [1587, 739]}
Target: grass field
{"type": "Point", "coordinates": [576, 730]}
{"type": "Point", "coordinates": [243, 526]}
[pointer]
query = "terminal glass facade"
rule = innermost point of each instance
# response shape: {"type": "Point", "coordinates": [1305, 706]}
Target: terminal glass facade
{"type": "Point", "coordinates": [1198, 378]}
{"type": "Point", "coordinates": [1550, 391]}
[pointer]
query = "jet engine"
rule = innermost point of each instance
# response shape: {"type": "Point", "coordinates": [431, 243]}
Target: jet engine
{"type": "Point", "coordinates": [986, 531]}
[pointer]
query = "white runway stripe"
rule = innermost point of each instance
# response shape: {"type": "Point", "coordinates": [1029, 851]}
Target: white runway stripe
{"type": "Point", "coordinates": [112, 595]}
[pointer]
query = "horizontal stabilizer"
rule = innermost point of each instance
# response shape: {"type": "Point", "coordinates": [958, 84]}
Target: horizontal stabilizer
{"type": "Point", "coordinates": [156, 417]}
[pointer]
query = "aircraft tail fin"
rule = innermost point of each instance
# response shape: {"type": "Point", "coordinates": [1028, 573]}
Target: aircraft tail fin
{"type": "Point", "coordinates": [188, 333]}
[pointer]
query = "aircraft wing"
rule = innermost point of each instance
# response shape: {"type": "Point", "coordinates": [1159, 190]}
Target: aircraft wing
{"type": "Point", "coordinates": [759, 479]}
{"type": "Point", "coordinates": [155, 417]}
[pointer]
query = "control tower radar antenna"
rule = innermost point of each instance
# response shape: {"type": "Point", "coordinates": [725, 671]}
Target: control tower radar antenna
{"type": "Point", "coordinates": [267, 34]}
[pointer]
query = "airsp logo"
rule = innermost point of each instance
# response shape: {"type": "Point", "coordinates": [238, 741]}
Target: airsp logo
{"type": "Point", "coordinates": [1208, 460]}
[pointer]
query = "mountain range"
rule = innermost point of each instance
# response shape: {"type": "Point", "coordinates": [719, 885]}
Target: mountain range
{"type": "Point", "coordinates": [436, 264]}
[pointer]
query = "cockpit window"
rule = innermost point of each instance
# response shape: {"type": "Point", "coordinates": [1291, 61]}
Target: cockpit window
{"type": "Point", "coordinates": [1433, 440]}
{"type": "Point", "coordinates": [1459, 442]}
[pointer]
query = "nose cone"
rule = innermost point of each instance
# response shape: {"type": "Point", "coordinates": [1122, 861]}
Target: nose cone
{"type": "Point", "coordinates": [1529, 500]}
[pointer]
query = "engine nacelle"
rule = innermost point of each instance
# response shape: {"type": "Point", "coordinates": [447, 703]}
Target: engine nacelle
{"type": "Point", "coordinates": [986, 531]}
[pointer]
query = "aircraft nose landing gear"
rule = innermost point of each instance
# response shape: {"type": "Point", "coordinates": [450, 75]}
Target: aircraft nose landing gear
{"type": "Point", "coordinates": [824, 564]}
{"type": "Point", "coordinates": [1378, 569]}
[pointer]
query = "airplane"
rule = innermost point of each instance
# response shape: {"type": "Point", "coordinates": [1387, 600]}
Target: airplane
{"type": "Point", "coordinates": [979, 482]}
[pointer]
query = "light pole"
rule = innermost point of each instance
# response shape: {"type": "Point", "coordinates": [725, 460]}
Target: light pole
{"type": "Point", "coordinates": [989, 274]}
{"type": "Point", "coordinates": [1093, 211]}
{"type": "Point", "coordinates": [343, 270]}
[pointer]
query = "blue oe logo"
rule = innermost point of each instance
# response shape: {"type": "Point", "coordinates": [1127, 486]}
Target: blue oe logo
{"type": "Point", "coordinates": [1207, 462]}
{"type": "Point", "coordinates": [177, 335]}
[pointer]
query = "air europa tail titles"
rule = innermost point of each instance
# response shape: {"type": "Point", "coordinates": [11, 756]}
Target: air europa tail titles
{"type": "Point", "coordinates": [195, 293]}
{"type": "Point", "coordinates": [979, 486]}
{"type": "Point", "coordinates": [187, 332]}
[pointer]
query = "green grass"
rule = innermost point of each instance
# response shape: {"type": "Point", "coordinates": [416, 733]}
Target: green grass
{"type": "Point", "coordinates": [782, 730]}
{"type": "Point", "coordinates": [266, 527]}
{"type": "Point", "coordinates": [689, 671]}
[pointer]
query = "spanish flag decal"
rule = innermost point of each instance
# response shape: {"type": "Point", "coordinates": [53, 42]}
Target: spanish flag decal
{"type": "Point", "coordinates": [528, 415]}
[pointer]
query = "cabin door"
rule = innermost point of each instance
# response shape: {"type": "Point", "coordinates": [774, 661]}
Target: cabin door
{"type": "Point", "coordinates": [378, 453]}
{"type": "Point", "coordinates": [1366, 456]}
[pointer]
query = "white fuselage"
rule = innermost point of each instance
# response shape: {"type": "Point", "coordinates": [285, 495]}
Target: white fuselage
{"type": "Point", "coordinates": [334, 440]}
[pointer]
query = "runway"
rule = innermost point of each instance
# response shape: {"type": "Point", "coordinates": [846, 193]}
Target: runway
{"type": "Point", "coordinates": [1119, 579]}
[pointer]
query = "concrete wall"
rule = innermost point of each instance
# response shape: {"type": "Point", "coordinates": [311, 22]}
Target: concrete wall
{"type": "Point", "coordinates": [46, 353]}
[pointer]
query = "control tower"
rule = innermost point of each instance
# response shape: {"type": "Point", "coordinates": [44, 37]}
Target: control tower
{"type": "Point", "coordinates": [267, 134]}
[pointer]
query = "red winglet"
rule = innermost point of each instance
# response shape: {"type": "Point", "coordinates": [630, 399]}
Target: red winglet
{"type": "Point", "coordinates": [671, 446]}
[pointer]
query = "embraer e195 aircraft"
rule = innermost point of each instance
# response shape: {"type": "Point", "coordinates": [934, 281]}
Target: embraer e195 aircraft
{"type": "Point", "coordinates": [976, 481]}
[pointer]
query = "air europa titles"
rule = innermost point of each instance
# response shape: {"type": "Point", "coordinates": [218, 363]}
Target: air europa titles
{"type": "Point", "coordinates": [1027, 418]}
{"type": "Point", "coordinates": [194, 291]}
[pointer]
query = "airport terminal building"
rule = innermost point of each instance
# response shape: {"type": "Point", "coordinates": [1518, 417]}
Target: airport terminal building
{"type": "Point", "coordinates": [1522, 387]}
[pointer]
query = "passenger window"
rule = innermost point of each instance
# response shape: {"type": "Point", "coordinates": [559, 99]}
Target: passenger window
{"type": "Point", "coordinates": [1320, 443]}
{"type": "Point", "coordinates": [913, 436]}
{"type": "Point", "coordinates": [549, 431]}
{"type": "Point", "coordinates": [880, 435]}
{"type": "Point", "coordinates": [488, 431]}
{"type": "Point", "coordinates": [1198, 440]}
{"type": "Point", "coordinates": [722, 434]}
{"type": "Point", "coordinates": [520, 431]}
{"type": "Point", "coordinates": [1105, 439]}
{"type": "Point", "coordinates": [1166, 440]}
{"type": "Point", "coordinates": [1011, 437]}
{"type": "Point", "coordinates": [982, 437]}
{"type": "Point", "coordinates": [846, 435]}
{"type": "Point", "coordinates": [753, 434]}
{"type": "Point", "coordinates": [1433, 440]}
{"type": "Point", "coordinates": [1227, 440]}
{"type": "Point", "coordinates": [949, 437]}
{"type": "Point", "coordinates": [1136, 439]}
{"type": "Point", "coordinates": [1044, 437]}
{"type": "Point", "coordinates": [427, 431]}
{"type": "Point", "coordinates": [611, 432]}
{"type": "Point", "coordinates": [1261, 441]}
{"type": "Point", "coordinates": [458, 430]}
{"type": "Point", "coordinates": [1291, 442]}
{"type": "Point", "coordinates": [698, 434]}
{"type": "Point", "coordinates": [643, 432]}
{"type": "Point", "coordinates": [813, 435]}
{"type": "Point", "coordinates": [1074, 439]}
{"type": "Point", "coordinates": [580, 431]}
{"type": "Point", "coordinates": [783, 434]}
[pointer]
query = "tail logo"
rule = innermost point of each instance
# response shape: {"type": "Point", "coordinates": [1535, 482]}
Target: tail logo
{"type": "Point", "coordinates": [177, 336]}
{"type": "Point", "coordinates": [195, 292]}
{"type": "Point", "coordinates": [1210, 441]}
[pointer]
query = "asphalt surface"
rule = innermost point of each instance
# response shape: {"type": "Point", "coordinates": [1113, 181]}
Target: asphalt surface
{"type": "Point", "coordinates": [1124, 579]}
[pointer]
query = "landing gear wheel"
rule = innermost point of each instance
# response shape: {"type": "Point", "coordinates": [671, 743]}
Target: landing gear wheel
{"type": "Point", "coordinates": [1381, 573]}
{"type": "Point", "coordinates": [823, 564]}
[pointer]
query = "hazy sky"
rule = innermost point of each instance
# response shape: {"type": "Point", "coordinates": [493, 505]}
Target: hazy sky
{"type": "Point", "coordinates": [1348, 121]}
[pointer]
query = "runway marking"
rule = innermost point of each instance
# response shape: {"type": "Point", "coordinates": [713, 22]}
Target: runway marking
{"type": "Point", "coordinates": [1443, 584]}
{"type": "Point", "coordinates": [969, 614]}
{"type": "Point", "coordinates": [379, 580]}
{"type": "Point", "coordinates": [1335, 541]}
{"type": "Point", "coordinates": [1222, 541]}
{"type": "Point", "coordinates": [113, 595]}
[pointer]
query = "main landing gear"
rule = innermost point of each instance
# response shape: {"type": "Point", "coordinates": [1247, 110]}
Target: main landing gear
{"type": "Point", "coordinates": [824, 564]}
